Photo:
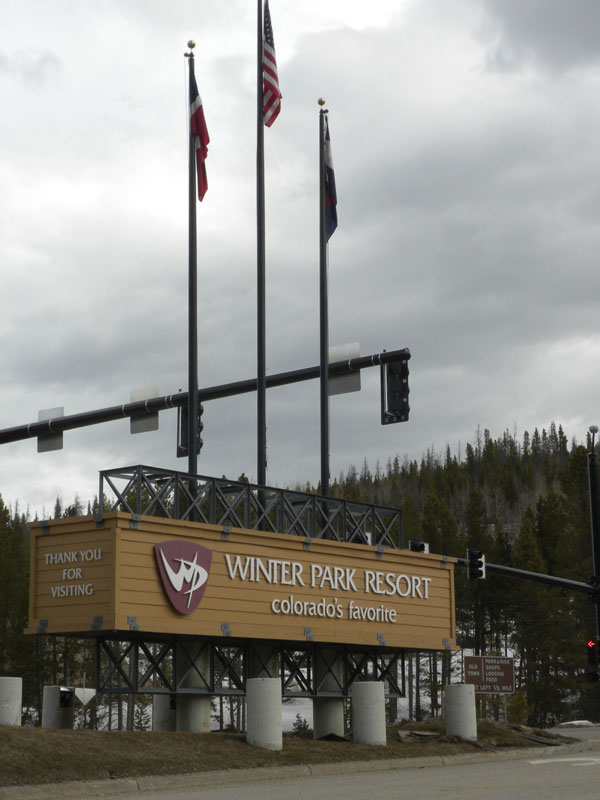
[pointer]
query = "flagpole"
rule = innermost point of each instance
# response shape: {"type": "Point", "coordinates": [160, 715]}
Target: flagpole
{"type": "Point", "coordinates": [192, 431]}
{"type": "Point", "coordinates": [324, 310]}
{"type": "Point", "coordinates": [261, 439]}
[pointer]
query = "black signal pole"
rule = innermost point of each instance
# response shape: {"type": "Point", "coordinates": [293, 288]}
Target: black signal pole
{"type": "Point", "coordinates": [192, 297]}
{"type": "Point", "coordinates": [261, 366]}
{"type": "Point", "coordinates": [324, 310]}
{"type": "Point", "coordinates": [141, 408]}
{"type": "Point", "coordinates": [595, 518]}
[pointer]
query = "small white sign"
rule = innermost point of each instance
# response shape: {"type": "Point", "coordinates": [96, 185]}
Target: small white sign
{"type": "Point", "coordinates": [50, 441]}
{"type": "Point", "coordinates": [343, 384]}
{"type": "Point", "coordinates": [85, 696]}
{"type": "Point", "coordinates": [145, 422]}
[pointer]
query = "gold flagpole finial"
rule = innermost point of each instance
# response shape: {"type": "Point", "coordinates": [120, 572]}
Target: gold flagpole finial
{"type": "Point", "coordinates": [191, 44]}
{"type": "Point", "coordinates": [321, 101]}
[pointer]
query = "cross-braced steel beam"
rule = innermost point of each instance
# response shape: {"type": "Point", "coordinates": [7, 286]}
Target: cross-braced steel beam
{"type": "Point", "coordinates": [186, 665]}
{"type": "Point", "coordinates": [141, 490]}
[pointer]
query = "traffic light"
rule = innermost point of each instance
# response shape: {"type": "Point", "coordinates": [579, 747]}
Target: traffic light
{"type": "Point", "coordinates": [593, 651]}
{"type": "Point", "coordinates": [475, 564]}
{"type": "Point", "coordinates": [182, 430]}
{"type": "Point", "coordinates": [395, 391]}
{"type": "Point", "coordinates": [417, 546]}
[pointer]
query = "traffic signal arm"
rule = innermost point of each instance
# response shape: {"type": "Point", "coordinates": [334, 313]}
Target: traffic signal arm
{"type": "Point", "coordinates": [550, 580]}
{"type": "Point", "coordinates": [155, 404]}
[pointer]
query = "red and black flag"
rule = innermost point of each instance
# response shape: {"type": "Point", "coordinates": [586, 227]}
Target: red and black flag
{"type": "Point", "coordinates": [200, 135]}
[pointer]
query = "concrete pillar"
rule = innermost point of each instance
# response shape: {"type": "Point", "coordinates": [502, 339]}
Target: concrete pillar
{"type": "Point", "coordinates": [11, 701]}
{"type": "Point", "coordinates": [368, 712]}
{"type": "Point", "coordinates": [328, 712]}
{"type": "Point", "coordinates": [263, 662]}
{"type": "Point", "coordinates": [193, 710]}
{"type": "Point", "coordinates": [459, 711]}
{"type": "Point", "coordinates": [164, 712]}
{"type": "Point", "coordinates": [264, 714]}
{"type": "Point", "coordinates": [193, 713]}
{"type": "Point", "coordinates": [58, 707]}
{"type": "Point", "coordinates": [328, 717]}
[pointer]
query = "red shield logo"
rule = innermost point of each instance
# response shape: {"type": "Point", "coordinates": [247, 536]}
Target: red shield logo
{"type": "Point", "coordinates": [183, 568]}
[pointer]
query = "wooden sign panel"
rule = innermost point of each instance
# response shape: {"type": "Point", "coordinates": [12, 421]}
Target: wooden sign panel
{"type": "Point", "coordinates": [491, 674]}
{"type": "Point", "coordinates": [164, 576]}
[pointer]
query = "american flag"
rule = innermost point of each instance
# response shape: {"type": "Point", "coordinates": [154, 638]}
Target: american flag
{"type": "Point", "coordinates": [200, 134]}
{"type": "Point", "coordinates": [271, 93]}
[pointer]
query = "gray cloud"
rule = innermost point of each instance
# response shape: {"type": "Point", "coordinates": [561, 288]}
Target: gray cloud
{"type": "Point", "coordinates": [31, 68]}
{"type": "Point", "coordinates": [468, 232]}
{"type": "Point", "coordinates": [552, 33]}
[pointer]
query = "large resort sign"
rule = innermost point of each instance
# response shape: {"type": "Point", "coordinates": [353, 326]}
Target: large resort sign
{"type": "Point", "coordinates": [165, 576]}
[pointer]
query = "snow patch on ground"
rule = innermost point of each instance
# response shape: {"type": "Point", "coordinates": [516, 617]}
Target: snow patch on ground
{"type": "Point", "coordinates": [577, 723]}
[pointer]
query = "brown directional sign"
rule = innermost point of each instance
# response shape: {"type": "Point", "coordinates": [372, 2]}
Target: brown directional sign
{"type": "Point", "coordinates": [492, 674]}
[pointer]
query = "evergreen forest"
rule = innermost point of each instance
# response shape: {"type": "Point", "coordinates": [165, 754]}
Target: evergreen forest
{"type": "Point", "coordinates": [523, 502]}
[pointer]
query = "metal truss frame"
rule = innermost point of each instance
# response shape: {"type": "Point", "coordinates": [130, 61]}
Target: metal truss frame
{"type": "Point", "coordinates": [169, 666]}
{"type": "Point", "coordinates": [141, 490]}
{"type": "Point", "coordinates": [190, 665]}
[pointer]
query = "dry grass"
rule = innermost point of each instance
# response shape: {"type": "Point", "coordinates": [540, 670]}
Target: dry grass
{"type": "Point", "coordinates": [36, 755]}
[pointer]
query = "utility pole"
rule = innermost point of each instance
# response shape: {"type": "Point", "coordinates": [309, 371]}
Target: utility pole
{"type": "Point", "coordinates": [595, 520]}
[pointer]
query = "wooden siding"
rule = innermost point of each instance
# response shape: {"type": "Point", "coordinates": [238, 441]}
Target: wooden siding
{"type": "Point", "coordinates": [124, 583]}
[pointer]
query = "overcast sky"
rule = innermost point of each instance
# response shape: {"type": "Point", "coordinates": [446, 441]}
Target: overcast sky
{"type": "Point", "coordinates": [466, 144]}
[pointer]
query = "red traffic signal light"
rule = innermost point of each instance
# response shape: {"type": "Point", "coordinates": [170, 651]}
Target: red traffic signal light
{"type": "Point", "coordinates": [593, 650]}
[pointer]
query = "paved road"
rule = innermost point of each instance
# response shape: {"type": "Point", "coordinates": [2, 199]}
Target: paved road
{"type": "Point", "coordinates": [552, 773]}
{"type": "Point", "coordinates": [585, 733]}
{"type": "Point", "coordinates": [524, 779]}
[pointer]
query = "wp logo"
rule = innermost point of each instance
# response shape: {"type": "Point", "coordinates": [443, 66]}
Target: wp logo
{"type": "Point", "coordinates": [183, 568]}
